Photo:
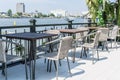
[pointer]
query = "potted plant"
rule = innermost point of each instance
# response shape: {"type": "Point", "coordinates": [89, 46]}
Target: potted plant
{"type": "Point", "coordinates": [19, 50]}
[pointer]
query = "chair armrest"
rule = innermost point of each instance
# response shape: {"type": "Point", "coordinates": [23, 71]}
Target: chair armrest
{"type": "Point", "coordinates": [53, 41]}
{"type": "Point", "coordinates": [87, 38]}
{"type": "Point", "coordinates": [90, 34]}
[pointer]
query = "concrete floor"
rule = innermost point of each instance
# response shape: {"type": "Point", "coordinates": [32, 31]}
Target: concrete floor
{"type": "Point", "coordinates": [107, 68]}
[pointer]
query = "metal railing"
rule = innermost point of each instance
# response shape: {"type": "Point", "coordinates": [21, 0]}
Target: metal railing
{"type": "Point", "coordinates": [38, 28]}
{"type": "Point", "coordinates": [32, 27]}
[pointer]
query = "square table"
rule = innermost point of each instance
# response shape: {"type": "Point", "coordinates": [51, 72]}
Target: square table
{"type": "Point", "coordinates": [73, 31]}
{"type": "Point", "coordinates": [32, 37]}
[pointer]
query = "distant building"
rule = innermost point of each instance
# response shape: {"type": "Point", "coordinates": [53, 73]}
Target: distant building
{"type": "Point", "coordinates": [20, 7]}
{"type": "Point", "coordinates": [59, 13]}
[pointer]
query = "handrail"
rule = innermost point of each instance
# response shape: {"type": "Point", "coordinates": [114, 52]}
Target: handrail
{"type": "Point", "coordinates": [38, 25]}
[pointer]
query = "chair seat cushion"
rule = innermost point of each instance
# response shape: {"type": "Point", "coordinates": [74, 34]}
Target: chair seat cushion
{"type": "Point", "coordinates": [88, 45]}
{"type": "Point", "coordinates": [52, 56]}
{"type": "Point", "coordinates": [111, 37]}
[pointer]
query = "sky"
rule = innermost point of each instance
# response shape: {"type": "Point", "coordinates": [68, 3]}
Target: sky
{"type": "Point", "coordinates": [45, 6]}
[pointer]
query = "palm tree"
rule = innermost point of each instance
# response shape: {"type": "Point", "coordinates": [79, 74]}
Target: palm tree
{"type": "Point", "coordinates": [118, 12]}
{"type": "Point", "coordinates": [110, 10]}
{"type": "Point", "coordinates": [113, 9]}
{"type": "Point", "coordinates": [96, 7]}
{"type": "Point", "coordinates": [93, 6]}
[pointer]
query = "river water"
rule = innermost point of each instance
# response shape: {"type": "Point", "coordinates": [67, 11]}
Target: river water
{"type": "Point", "coordinates": [25, 21]}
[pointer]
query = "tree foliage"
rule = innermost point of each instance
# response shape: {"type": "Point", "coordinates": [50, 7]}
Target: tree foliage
{"type": "Point", "coordinates": [9, 12]}
{"type": "Point", "coordinates": [104, 12]}
{"type": "Point", "coordinates": [93, 6]}
{"type": "Point", "coordinates": [19, 14]}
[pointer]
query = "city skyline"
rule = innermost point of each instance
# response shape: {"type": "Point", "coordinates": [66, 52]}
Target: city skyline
{"type": "Point", "coordinates": [46, 6]}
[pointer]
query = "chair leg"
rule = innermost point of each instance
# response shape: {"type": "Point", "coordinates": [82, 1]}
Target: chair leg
{"type": "Point", "coordinates": [57, 70]}
{"type": "Point", "coordinates": [81, 53]}
{"type": "Point", "coordinates": [55, 65]}
{"type": "Point", "coordinates": [74, 54]}
{"type": "Point", "coordinates": [93, 51]}
{"type": "Point", "coordinates": [45, 61]}
{"type": "Point", "coordinates": [106, 43]}
{"type": "Point", "coordinates": [3, 67]}
{"type": "Point", "coordinates": [116, 43]}
{"type": "Point", "coordinates": [102, 45]}
{"type": "Point", "coordinates": [68, 65]}
{"type": "Point", "coordinates": [50, 65]}
{"type": "Point", "coordinates": [4, 70]}
{"type": "Point", "coordinates": [85, 51]}
{"type": "Point", "coordinates": [97, 54]}
{"type": "Point", "coordinates": [47, 65]}
{"type": "Point", "coordinates": [60, 63]}
{"type": "Point", "coordinates": [111, 43]}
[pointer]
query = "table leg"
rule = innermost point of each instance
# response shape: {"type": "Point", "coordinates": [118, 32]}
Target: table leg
{"type": "Point", "coordinates": [32, 59]}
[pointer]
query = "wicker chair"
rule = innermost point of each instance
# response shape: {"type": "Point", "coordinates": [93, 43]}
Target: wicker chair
{"type": "Point", "coordinates": [49, 47]}
{"type": "Point", "coordinates": [64, 46]}
{"type": "Point", "coordinates": [113, 35]}
{"type": "Point", "coordinates": [103, 37]}
{"type": "Point", "coordinates": [92, 45]}
{"type": "Point", "coordinates": [7, 58]}
{"type": "Point", "coordinates": [79, 40]}
{"type": "Point", "coordinates": [81, 36]}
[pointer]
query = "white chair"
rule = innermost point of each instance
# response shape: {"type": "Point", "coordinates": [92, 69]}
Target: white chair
{"type": "Point", "coordinates": [7, 58]}
{"type": "Point", "coordinates": [113, 35]}
{"type": "Point", "coordinates": [64, 46]}
{"type": "Point", "coordinates": [81, 36]}
{"type": "Point", "coordinates": [118, 35]}
{"type": "Point", "coordinates": [79, 39]}
{"type": "Point", "coordinates": [103, 37]}
{"type": "Point", "coordinates": [94, 45]}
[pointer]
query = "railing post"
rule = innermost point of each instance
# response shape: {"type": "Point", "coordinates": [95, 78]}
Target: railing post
{"type": "Point", "coordinates": [70, 24]}
{"type": "Point", "coordinates": [33, 23]}
{"type": "Point", "coordinates": [89, 22]}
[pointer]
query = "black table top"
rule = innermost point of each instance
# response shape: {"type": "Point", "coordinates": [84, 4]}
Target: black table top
{"type": "Point", "coordinates": [28, 35]}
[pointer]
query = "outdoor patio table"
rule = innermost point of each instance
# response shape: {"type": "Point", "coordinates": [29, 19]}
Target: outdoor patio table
{"type": "Point", "coordinates": [71, 32]}
{"type": "Point", "coordinates": [31, 37]}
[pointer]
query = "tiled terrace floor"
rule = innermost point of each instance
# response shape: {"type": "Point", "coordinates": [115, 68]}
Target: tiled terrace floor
{"type": "Point", "coordinates": [107, 68]}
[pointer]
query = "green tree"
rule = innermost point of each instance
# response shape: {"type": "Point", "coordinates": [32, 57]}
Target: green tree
{"type": "Point", "coordinates": [39, 15]}
{"type": "Point", "coordinates": [118, 12]}
{"type": "Point", "coordinates": [51, 15]}
{"type": "Point", "coordinates": [93, 6]}
{"type": "Point", "coordinates": [44, 15]}
{"type": "Point", "coordinates": [9, 12]}
{"type": "Point", "coordinates": [15, 15]}
{"type": "Point", "coordinates": [113, 11]}
{"type": "Point", "coordinates": [19, 14]}
{"type": "Point", "coordinates": [104, 10]}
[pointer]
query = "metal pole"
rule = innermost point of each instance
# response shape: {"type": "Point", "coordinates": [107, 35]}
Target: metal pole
{"type": "Point", "coordinates": [33, 23]}
{"type": "Point", "coordinates": [70, 24]}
